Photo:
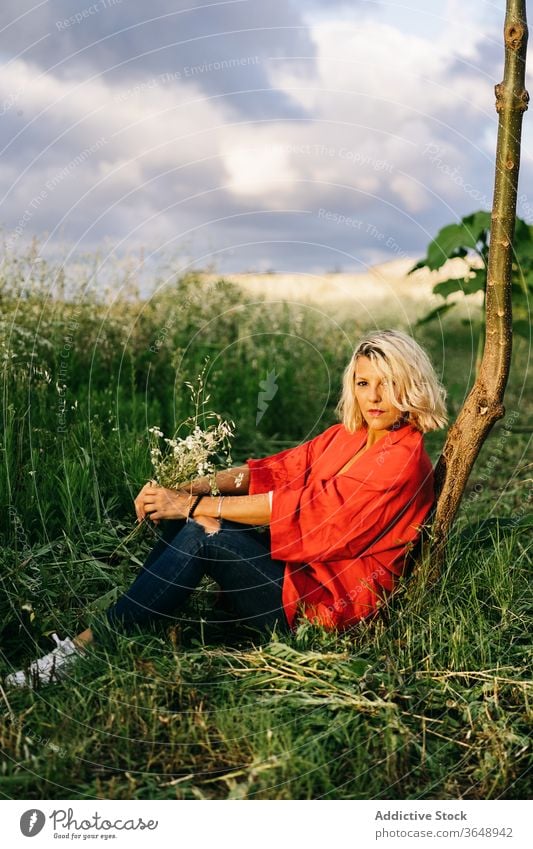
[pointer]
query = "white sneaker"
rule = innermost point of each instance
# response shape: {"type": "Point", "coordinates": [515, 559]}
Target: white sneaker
{"type": "Point", "coordinates": [51, 667]}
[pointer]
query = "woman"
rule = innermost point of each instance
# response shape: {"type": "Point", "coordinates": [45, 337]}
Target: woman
{"type": "Point", "coordinates": [342, 511]}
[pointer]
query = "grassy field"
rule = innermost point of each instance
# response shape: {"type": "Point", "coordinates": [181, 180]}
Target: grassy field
{"type": "Point", "coordinates": [431, 701]}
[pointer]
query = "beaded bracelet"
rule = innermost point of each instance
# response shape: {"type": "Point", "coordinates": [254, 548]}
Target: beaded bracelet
{"type": "Point", "coordinates": [197, 500]}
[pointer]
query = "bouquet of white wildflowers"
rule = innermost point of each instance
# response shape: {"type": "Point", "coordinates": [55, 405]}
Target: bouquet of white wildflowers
{"type": "Point", "coordinates": [178, 460]}
{"type": "Point", "coordinates": [196, 455]}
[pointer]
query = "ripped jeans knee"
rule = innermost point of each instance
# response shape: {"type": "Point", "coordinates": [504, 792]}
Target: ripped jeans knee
{"type": "Point", "coordinates": [209, 524]}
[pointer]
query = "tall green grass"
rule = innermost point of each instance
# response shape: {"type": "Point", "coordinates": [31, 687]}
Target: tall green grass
{"type": "Point", "coordinates": [430, 701]}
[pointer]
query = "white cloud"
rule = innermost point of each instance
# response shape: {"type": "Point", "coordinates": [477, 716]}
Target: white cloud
{"type": "Point", "coordinates": [377, 90]}
{"type": "Point", "coordinates": [409, 192]}
{"type": "Point", "coordinates": [260, 171]}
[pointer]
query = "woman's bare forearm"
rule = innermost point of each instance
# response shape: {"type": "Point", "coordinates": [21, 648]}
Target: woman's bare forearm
{"type": "Point", "coordinates": [233, 481]}
{"type": "Point", "coordinates": [248, 509]}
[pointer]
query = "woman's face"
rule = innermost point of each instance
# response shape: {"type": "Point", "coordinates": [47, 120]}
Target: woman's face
{"type": "Point", "coordinates": [373, 398]}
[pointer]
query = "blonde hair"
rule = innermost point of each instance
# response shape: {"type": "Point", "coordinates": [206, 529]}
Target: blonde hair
{"type": "Point", "coordinates": [411, 380]}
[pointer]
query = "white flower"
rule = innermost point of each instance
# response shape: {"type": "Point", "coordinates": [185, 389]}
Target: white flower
{"type": "Point", "coordinates": [183, 459]}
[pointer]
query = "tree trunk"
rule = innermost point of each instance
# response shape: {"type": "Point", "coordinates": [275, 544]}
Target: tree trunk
{"type": "Point", "coordinates": [484, 404]}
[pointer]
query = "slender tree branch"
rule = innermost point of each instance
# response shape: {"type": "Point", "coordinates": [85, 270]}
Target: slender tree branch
{"type": "Point", "coordinates": [484, 405]}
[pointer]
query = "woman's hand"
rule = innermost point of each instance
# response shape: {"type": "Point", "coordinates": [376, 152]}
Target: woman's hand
{"type": "Point", "coordinates": [158, 503]}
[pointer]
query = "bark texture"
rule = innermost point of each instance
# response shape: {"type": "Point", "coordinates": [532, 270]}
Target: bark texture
{"type": "Point", "coordinates": [484, 405]}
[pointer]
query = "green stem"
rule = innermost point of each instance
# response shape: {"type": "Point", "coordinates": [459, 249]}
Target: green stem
{"type": "Point", "coordinates": [132, 535]}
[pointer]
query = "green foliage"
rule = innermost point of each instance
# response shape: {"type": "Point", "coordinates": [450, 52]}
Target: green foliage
{"type": "Point", "coordinates": [455, 240]}
{"type": "Point", "coordinates": [431, 704]}
{"type": "Point", "coordinates": [471, 238]}
{"type": "Point", "coordinates": [429, 701]}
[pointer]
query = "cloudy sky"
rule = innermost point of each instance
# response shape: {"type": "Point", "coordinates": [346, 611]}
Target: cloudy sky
{"type": "Point", "coordinates": [294, 135]}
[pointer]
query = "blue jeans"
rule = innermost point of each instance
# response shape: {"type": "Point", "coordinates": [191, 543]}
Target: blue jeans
{"type": "Point", "coordinates": [237, 557]}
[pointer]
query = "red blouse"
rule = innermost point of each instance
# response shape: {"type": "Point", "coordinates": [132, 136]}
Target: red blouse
{"type": "Point", "coordinates": [344, 537]}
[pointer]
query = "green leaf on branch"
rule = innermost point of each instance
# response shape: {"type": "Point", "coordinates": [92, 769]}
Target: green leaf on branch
{"type": "Point", "coordinates": [420, 264]}
{"type": "Point", "coordinates": [523, 236]}
{"type": "Point", "coordinates": [448, 243]}
{"type": "Point", "coordinates": [455, 240]}
{"type": "Point", "coordinates": [454, 284]}
{"type": "Point", "coordinates": [522, 328]}
{"type": "Point", "coordinates": [478, 226]}
{"type": "Point", "coordinates": [436, 313]}
{"type": "Point", "coordinates": [467, 285]}
{"type": "Point", "coordinates": [476, 282]}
